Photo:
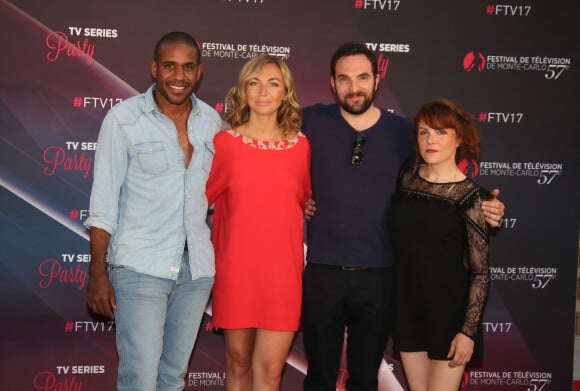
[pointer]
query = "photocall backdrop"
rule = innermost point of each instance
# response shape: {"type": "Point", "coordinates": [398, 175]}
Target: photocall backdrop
{"type": "Point", "coordinates": [64, 64]}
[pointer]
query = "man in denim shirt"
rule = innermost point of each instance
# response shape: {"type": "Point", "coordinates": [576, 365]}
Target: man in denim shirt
{"type": "Point", "coordinates": [147, 204]}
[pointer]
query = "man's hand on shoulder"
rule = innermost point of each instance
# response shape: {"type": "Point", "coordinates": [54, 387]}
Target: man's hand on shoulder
{"type": "Point", "coordinates": [493, 210]}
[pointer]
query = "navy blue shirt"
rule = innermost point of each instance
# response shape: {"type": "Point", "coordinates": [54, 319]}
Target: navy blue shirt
{"type": "Point", "coordinates": [349, 227]}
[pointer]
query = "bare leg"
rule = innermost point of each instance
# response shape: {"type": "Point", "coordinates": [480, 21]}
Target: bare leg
{"type": "Point", "coordinates": [416, 365]}
{"type": "Point", "coordinates": [444, 378]}
{"type": "Point", "coordinates": [424, 374]}
{"type": "Point", "coordinates": [239, 351]}
{"type": "Point", "coordinates": [270, 353]}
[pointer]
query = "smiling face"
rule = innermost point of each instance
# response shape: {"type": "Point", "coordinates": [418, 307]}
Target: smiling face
{"type": "Point", "coordinates": [266, 90]}
{"type": "Point", "coordinates": [176, 72]}
{"type": "Point", "coordinates": [354, 83]}
{"type": "Point", "coordinates": [437, 146]}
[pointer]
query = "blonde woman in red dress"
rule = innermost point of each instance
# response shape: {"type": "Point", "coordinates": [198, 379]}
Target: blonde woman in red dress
{"type": "Point", "coordinates": [259, 182]}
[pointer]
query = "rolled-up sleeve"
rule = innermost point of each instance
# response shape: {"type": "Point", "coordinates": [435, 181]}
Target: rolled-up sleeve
{"type": "Point", "coordinates": [111, 160]}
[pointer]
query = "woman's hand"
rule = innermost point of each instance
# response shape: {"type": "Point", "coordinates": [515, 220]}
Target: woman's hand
{"type": "Point", "coordinates": [460, 351]}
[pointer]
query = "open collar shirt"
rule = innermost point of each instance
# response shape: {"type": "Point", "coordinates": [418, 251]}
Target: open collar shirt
{"type": "Point", "coordinates": [145, 196]}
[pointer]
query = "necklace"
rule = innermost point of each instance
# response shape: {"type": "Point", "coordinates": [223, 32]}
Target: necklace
{"type": "Point", "coordinates": [452, 180]}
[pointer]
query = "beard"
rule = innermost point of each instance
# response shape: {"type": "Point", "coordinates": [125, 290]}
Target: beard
{"type": "Point", "coordinates": [358, 108]}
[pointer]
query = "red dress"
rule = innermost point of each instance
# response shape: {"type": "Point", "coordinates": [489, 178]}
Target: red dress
{"type": "Point", "coordinates": [259, 188]}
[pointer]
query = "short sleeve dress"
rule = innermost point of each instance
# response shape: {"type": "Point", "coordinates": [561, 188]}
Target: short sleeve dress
{"type": "Point", "coordinates": [259, 188]}
{"type": "Point", "coordinates": [440, 243]}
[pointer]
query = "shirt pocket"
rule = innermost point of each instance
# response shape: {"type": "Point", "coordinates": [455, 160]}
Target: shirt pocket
{"type": "Point", "coordinates": [152, 157]}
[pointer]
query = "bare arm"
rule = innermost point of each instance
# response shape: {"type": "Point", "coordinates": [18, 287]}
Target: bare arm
{"type": "Point", "coordinates": [100, 293]}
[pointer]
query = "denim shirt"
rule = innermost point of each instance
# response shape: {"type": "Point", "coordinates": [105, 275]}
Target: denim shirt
{"type": "Point", "coordinates": [145, 197]}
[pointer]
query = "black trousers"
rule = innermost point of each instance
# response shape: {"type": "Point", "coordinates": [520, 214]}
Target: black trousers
{"type": "Point", "coordinates": [334, 298]}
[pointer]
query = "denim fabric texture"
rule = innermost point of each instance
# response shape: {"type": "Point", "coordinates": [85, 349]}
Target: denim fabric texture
{"type": "Point", "coordinates": [143, 194]}
{"type": "Point", "coordinates": [157, 321]}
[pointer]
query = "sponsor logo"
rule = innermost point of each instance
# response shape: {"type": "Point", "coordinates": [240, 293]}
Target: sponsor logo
{"type": "Point", "coordinates": [206, 379]}
{"type": "Point", "coordinates": [92, 102]}
{"type": "Point", "coordinates": [474, 60]}
{"type": "Point", "coordinates": [508, 10]}
{"type": "Point", "coordinates": [377, 5]}
{"type": "Point", "coordinates": [242, 50]}
{"type": "Point", "coordinates": [544, 172]}
{"type": "Point", "coordinates": [551, 67]}
{"type": "Point", "coordinates": [469, 167]}
{"type": "Point", "coordinates": [534, 380]}
{"type": "Point", "coordinates": [538, 277]}
{"type": "Point", "coordinates": [69, 158]}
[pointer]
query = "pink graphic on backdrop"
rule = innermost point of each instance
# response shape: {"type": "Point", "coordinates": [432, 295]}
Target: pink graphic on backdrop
{"type": "Point", "coordinates": [58, 43]}
{"type": "Point", "coordinates": [465, 379]}
{"type": "Point", "coordinates": [474, 60]}
{"type": "Point", "coordinates": [77, 101]}
{"type": "Point", "coordinates": [47, 381]}
{"type": "Point", "coordinates": [52, 271]}
{"type": "Point", "coordinates": [382, 65]}
{"type": "Point", "coordinates": [469, 167]}
{"type": "Point", "coordinates": [56, 157]}
{"type": "Point", "coordinates": [342, 378]}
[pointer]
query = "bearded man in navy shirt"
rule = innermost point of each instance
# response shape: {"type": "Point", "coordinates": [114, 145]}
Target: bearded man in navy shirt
{"type": "Point", "coordinates": [357, 151]}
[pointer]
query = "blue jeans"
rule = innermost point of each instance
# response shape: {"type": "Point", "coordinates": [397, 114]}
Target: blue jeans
{"type": "Point", "coordinates": [157, 322]}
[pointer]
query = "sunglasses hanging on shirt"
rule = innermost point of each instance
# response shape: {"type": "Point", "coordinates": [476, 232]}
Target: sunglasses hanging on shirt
{"type": "Point", "coordinates": [357, 151]}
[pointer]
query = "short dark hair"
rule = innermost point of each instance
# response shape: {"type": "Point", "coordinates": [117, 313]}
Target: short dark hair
{"type": "Point", "coordinates": [351, 49]}
{"type": "Point", "coordinates": [173, 37]}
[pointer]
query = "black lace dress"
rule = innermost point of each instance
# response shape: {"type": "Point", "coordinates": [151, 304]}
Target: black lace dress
{"type": "Point", "coordinates": [440, 244]}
